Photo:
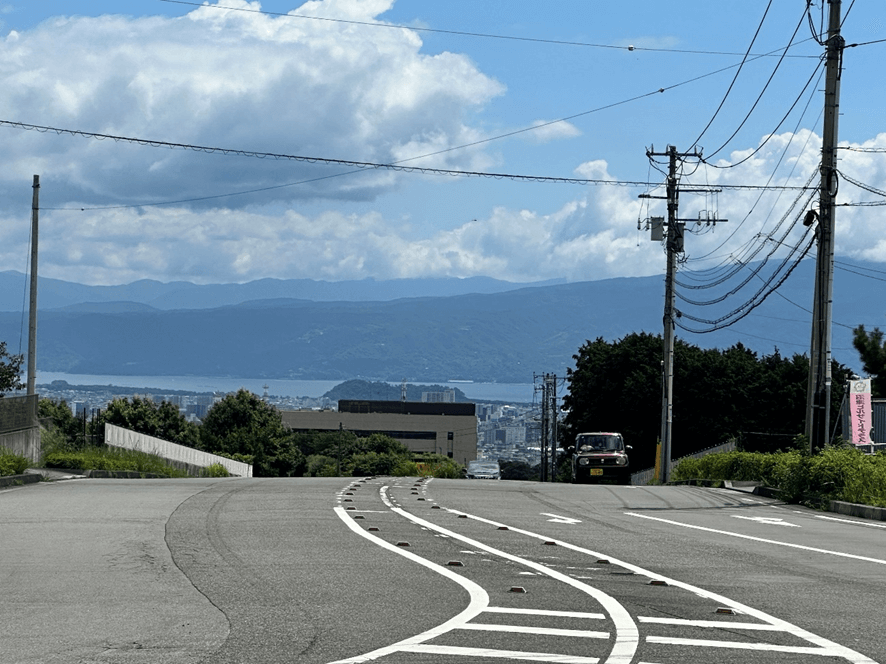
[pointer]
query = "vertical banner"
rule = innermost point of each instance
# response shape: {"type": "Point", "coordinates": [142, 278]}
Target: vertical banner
{"type": "Point", "coordinates": [860, 411]}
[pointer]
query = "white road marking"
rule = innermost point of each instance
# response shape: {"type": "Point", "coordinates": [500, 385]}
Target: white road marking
{"type": "Point", "coordinates": [545, 612]}
{"type": "Point", "coordinates": [850, 521]}
{"type": "Point", "coordinates": [501, 654]}
{"type": "Point", "coordinates": [867, 559]}
{"type": "Point", "coordinates": [479, 599]}
{"type": "Point", "coordinates": [561, 519]}
{"type": "Point", "coordinates": [627, 636]}
{"type": "Point", "coordinates": [717, 624]}
{"type": "Point", "coordinates": [835, 649]}
{"type": "Point", "coordinates": [546, 631]}
{"type": "Point", "coordinates": [740, 645]}
{"type": "Point", "coordinates": [768, 520]}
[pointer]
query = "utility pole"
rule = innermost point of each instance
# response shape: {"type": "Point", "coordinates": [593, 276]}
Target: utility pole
{"type": "Point", "coordinates": [548, 426]}
{"type": "Point", "coordinates": [545, 428]}
{"type": "Point", "coordinates": [674, 246]}
{"type": "Point", "coordinates": [551, 407]}
{"type": "Point", "coordinates": [32, 316]}
{"type": "Point", "coordinates": [818, 403]}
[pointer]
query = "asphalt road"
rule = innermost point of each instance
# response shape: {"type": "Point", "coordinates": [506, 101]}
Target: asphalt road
{"type": "Point", "coordinates": [401, 570]}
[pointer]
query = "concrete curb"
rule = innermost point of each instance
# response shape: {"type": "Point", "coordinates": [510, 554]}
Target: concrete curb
{"type": "Point", "coordinates": [862, 511]}
{"type": "Point", "coordinates": [19, 480]}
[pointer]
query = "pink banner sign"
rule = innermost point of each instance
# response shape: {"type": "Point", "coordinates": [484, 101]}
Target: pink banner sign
{"type": "Point", "coordinates": [860, 411]}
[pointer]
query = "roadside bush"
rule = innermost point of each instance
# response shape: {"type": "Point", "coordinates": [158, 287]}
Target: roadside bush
{"type": "Point", "coordinates": [318, 465]}
{"type": "Point", "coordinates": [836, 473]}
{"type": "Point", "coordinates": [12, 464]}
{"type": "Point", "coordinates": [100, 457]}
{"type": "Point", "coordinates": [215, 470]}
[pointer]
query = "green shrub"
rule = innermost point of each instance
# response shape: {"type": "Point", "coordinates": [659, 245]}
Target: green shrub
{"type": "Point", "coordinates": [836, 473]}
{"type": "Point", "coordinates": [215, 470]}
{"type": "Point", "coordinates": [100, 457]}
{"type": "Point", "coordinates": [12, 464]}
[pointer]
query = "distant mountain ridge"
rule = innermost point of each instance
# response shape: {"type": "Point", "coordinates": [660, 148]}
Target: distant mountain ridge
{"type": "Point", "coordinates": [486, 337]}
{"type": "Point", "coordinates": [55, 293]}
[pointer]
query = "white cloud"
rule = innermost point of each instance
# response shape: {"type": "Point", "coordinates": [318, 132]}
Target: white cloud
{"type": "Point", "coordinates": [232, 79]}
{"type": "Point", "coordinates": [592, 236]}
{"type": "Point", "coordinates": [547, 131]}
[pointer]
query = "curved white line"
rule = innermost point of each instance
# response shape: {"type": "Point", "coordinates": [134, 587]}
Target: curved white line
{"type": "Point", "coordinates": [478, 602]}
{"type": "Point", "coordinates": [627, 635]}
{"type": "Point", "coordinates": [834, 649]}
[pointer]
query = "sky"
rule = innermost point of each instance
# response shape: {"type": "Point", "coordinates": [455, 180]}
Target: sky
{"type": "Point", "coordinates": [565, 89]}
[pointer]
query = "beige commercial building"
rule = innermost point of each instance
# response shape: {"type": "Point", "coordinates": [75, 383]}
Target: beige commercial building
{"type": "Point", "coordinates": [449, 429]}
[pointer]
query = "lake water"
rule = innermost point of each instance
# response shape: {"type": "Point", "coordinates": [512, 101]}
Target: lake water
{"type": "Point", "coordinates": [509, 392]}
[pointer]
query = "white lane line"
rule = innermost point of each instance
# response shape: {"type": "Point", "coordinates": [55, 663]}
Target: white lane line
{"type": "Point", "coordinates": [836, 649]}
{"type": "Point", "coordinates": [546, 612]}
{"type": "Point", "coordinates": [627, 636]}
{"type": "Point", "coordinates": [479, 599]}
{"type": "Point", "coordinates": [879, 561]}
{"type": "Point", "coordinates": [500, 654]}
{"type": "Point", "coordinates": [739, 645]}
{"type": "Point", "coordinates": [716, 624]}
{"type": "Point", "coordinates": [850, 521]}
{"type": "Point", "coordinates": [541, 631]}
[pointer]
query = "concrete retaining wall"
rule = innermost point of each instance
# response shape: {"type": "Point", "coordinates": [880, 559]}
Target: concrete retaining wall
{"type": "Point", "coordinates": [179, 454]}
{"type": "Point", "coordinates": [25, 442]}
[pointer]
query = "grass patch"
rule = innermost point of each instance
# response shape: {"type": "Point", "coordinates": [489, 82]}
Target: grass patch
{"type": "Point", "coordinates": [836, 473]}
{"type": "Point", "coordinates": [215, 470]}
{"type": "Point", "coordinates": [12, 464]}
{"type": "Point", "coordinates": [101, 457]}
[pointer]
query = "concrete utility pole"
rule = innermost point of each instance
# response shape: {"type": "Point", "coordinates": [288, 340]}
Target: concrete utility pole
{"type": "Point", "coordinates": [32, 317]}
{"type": "Point", "coordinates": [545, 428]}
{"type": "Point", "coordinates": [674, 246]}
{"type": "Point", "coordinates": [818, 403]}
{"type": "Point", "coordinates": [551, 406]}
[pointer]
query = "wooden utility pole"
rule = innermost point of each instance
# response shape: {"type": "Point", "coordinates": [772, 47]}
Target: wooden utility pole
{"type": "Point", "coordinates": [32, 317]}
{"type": "Point", "coordinates": [818, 403]}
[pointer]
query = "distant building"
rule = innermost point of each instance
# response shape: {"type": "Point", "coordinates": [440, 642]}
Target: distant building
{"type": "Point", "coordinates": [446, 396]}
{"type": "Point", "coordinates": [449, 429]}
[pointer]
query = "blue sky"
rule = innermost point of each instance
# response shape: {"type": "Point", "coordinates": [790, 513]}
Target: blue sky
{"type": "Point", "coordinates": [349, 89]}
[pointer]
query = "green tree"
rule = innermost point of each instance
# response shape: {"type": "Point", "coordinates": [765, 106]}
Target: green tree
{"type": "Point", "coordinates": [63, 421]}
{"type": "Point", "coordinates": [872, 349]}
{"type": "Point", "coordinates": [718, 395]}
{"type": "Point", "coordinates": [242, 423]}
{"type": "Point", "coordinates": [10, 370]}
{"type": "Point", "coordinates": [144, 416]}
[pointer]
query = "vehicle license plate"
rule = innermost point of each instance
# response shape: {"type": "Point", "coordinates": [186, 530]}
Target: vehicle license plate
{"type": "Point", "coordinates": [596, 471]}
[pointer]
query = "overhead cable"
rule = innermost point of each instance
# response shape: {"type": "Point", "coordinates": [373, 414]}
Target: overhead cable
{"type": "Point", "coordinates": [462, 33]}
{"type": "Point", "coordinates": [765, 87]}
{"type": "Point", "coordinates": [734, 78]}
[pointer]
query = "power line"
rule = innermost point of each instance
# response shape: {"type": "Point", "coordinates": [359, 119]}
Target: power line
{"type": "Point", "coordinates": [765, 87]}
{"type": "Point", "coordinates": [360, 165]}
{"type": "Point", "coordinates": [461, 33]}
{"type": "Point", "coordinates": [734, 78]}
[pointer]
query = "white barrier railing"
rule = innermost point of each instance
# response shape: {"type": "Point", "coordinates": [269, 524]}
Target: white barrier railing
{"type": "Point", "coordinates": [130, 440]}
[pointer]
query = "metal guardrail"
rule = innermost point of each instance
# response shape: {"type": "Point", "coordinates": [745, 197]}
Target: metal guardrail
{"type": "Point", "coordinates": [18, 413]}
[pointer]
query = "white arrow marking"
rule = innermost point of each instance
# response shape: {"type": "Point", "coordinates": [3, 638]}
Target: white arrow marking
{"type": "Point", "coordinates": [561, 519]}
{"type": "Point", "coordinates": [772, 521]}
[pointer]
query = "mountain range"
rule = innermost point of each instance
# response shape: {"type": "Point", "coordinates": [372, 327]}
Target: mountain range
{"type": "Point", "coordinates": [479, 329]}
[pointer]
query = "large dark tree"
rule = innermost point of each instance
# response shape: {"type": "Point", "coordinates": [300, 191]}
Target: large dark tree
{"type": "Point", "coordinates": [144, 416]}
{"type": "Point", "coordinates": [242, 424]}
{"type": "Point", "coordinates": [872, 349]}
{"type": "Point", "coordinates": [59, 414]}
{"type": "Point", "coordinates": [718, 395]}
{"type": "Point", "coordinates": [10, 370]}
